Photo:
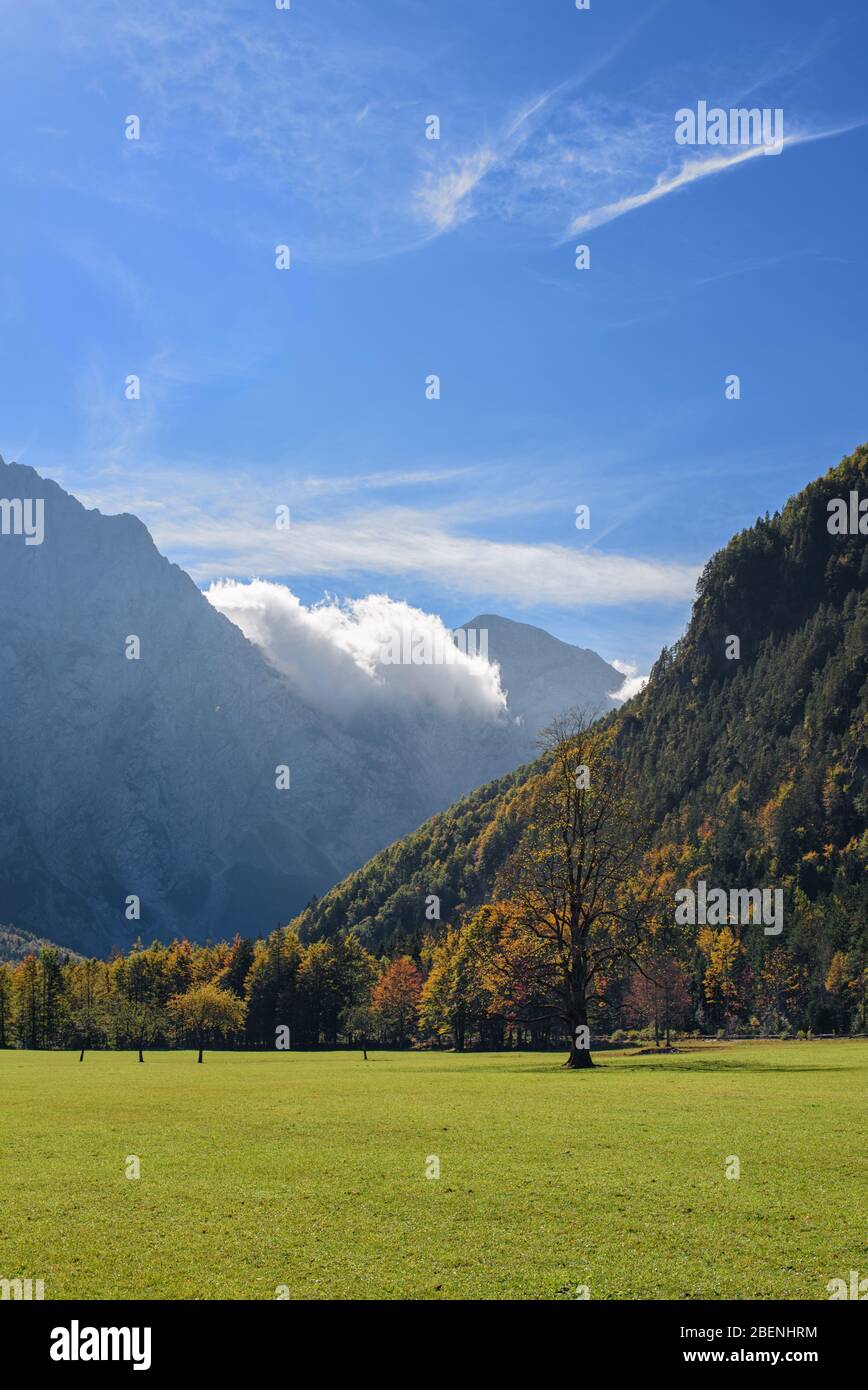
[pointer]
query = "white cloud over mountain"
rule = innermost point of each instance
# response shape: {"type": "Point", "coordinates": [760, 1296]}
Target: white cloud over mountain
{"type": "Point", "coordinates": [633, 682]}
{"type": "Point", "coordinates": [340, 656]}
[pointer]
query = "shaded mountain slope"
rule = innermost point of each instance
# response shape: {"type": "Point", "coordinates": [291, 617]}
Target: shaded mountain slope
{"type": "Point", "coordinates": [154, 778]}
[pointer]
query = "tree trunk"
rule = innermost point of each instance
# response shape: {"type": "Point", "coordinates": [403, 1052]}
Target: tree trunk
{"type": "Point", "coordinates": [141, 1058]}
{"type": "Point", "coordinates": [199, 1058]}
{"type": "Point", "coordinates": [579, 1058]}
{"type": "Point", "coordinates": [81, 1055]}
{"type": "Point", "coordinates": [577, 1001]}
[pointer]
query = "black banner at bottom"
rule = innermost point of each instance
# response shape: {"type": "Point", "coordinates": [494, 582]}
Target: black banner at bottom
{"type": "Point", "coordinates": [153, 1338]}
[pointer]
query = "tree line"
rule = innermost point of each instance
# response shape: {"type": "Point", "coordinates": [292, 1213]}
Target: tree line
{"type": "Point", "coordinates": [576, 940]}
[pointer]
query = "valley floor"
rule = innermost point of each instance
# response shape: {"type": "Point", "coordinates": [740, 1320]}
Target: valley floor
{"type": "Point", "coordinates": [307, 1171]}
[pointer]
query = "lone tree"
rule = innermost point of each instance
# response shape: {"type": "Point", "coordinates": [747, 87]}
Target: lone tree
{"type": "Point", "coordinates": [573, 879]}
{"type": "Point", "coordinates": [207, 1009]}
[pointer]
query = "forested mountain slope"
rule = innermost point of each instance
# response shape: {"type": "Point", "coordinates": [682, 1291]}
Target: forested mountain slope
{"type": "Point", "coordinates": [751, 771]}
{"type": "Point", "coordinates": [16, 944]}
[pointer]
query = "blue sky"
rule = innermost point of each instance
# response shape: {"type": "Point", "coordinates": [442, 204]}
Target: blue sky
{"type": "Point", "coordinates": [410, 257]}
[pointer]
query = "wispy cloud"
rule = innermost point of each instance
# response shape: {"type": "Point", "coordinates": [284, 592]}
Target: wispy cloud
{"type": "Point", "coordinates": [589, 152]}
{"type": "Point", "coordinates": [324, 113]}
{"type": "Point", "coordinates": [690, 171]}
{"type": "Point", "coordinates": [308, 115]}
{"type": "Point", "coordinates": [444, 199]}
{"type": "Point", "coordinates": [524, 153]}
{"type": "Point", "coordinates": [233, 534]}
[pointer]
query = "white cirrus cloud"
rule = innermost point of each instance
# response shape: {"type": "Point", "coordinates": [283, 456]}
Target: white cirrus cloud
{"type": "Point", "coordinates": [406, 542]}
{"type": "Point", "coordinates": [329, 112]}
{"type": "Point", "coordinates": [691, 170]}
{"type": "Point", "coordinates": [231, 532]}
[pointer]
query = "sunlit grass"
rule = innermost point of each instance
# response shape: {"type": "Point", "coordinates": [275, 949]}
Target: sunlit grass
{"type": "Point", "coordinates": [308, 1170]}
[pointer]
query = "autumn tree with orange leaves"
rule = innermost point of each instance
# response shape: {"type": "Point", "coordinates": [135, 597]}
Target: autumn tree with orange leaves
{"type": "Point", "coordinates": [396, 998]}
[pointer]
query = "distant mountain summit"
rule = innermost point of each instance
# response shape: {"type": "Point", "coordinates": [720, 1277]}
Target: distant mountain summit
{"type": "Point", "coordinates": [159, 776]}
{"type": "Point", "coordinates": [543, 676]}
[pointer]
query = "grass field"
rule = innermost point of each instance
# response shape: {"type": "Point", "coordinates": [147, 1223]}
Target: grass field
{"type": "Point", "coordinates": [308, 1170]}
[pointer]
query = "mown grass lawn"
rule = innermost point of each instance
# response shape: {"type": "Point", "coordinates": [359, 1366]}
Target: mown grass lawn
{"type": "Point", "coordinates": [308, 1170]}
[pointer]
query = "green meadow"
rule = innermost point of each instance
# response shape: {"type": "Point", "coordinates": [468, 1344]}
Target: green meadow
{"type": "Point", "coordinates": [308, 1170]}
